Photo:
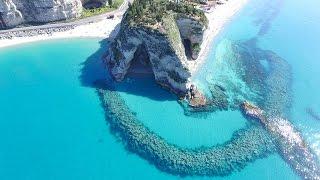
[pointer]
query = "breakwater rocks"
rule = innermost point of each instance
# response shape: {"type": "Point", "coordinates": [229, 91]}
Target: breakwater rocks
{"type": "Point", "coordinates": [268, 76]}
{"type": "Point", "coordinates": [289, 142]}
{"type": "Point", "coordinates": [278, 93]}
{"type": "Point", "coordinates": [245, 146]}
{"type": "Point", "coordinates": [34, 32]}
{"type": "Point", "coordinates": [276, 81]}
{"type": "Point", "coordinates": [252, 111]}
{"type": "Point", "coordinates": [276, 106]}
{"type": "Point", "coordinates": [243, 72]}
{"type": "Point", "coordinates": [16, 12]}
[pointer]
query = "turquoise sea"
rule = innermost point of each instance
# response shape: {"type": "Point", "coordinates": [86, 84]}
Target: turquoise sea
{"type": "Point", "coordinates": [52, 125]}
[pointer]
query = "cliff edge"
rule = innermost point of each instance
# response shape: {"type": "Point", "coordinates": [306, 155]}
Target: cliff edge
{"type": "Point", "coordinates": [16, 12]}
{"type": "Point", "coordinates": [162, 35]}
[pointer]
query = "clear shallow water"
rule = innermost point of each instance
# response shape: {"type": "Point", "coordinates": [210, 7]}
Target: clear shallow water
{"type": "Point", "coordinates": [160, 111]}
{"type": "Point", "coordinates": [53, 127]}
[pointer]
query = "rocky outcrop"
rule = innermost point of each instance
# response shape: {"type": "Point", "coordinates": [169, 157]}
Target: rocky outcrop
{"type": "Point", "coordinates": [252, 111]}
{"type": "Point", "coordinates": [195, 98]}
{"type": "Point", "coordinates": [288, 140]}
{"type": "Point", "coordinates": [164, 54]}
{"type": "Point", "coordinates": [10, 16]}
{"type": "Point", "coordinates": [159, 45]}
{"type": "Point", "coordinates": [163, 50]}
{"type": "Point", "coordinates": [192, 31]}
{"type": "Point", "coordinates": [15, 12]}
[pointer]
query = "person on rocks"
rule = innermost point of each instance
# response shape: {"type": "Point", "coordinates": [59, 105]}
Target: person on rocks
{"type": "Point", "coordinates": [192, 91]}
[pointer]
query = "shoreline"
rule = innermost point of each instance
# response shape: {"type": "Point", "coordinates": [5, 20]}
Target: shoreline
{"type": "Point", "coordinates": [220, 15]}
{"type": "Point", "coordinates": [99, 29]}
{"type": "Point", "coordinates": [218, 18]}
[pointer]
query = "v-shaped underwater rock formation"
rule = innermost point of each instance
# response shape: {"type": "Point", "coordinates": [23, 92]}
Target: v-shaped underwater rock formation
{"type": "Point", "coordinates": [288, 141]}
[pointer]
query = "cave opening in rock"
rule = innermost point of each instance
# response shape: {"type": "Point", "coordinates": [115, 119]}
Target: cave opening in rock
{"type": "Point", "coordinates": [187, 48]}
{"type": "Point", "coordinates": [140, 65]}
{"type": "Point", "coordinates": [92, 4]}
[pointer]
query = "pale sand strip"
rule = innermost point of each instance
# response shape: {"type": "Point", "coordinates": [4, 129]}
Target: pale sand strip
{"type": "Point", "coordinates": [218, 18]}
{"type": "Point", "coordinates": [101, 29]}
{"type": "Point", "coordinates": [220, 15]}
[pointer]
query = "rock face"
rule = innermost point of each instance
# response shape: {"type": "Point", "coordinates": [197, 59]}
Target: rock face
{"type": "Point", "coordinates": [15, 12]}
{"type": "Point", "coordinates": [192, 31]}
{"type": "Point", "coordinates": [163, 50]}
{"type": "Point", "coordinates": [94, 3]}
{"type": "Point", "coordinates": [159, 45]}
{"type": "Point", "coordinates": [10, 16]}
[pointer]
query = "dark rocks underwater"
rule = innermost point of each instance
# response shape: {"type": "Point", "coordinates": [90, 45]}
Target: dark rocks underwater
{"type": "Point", "coordinates": [271, 85]}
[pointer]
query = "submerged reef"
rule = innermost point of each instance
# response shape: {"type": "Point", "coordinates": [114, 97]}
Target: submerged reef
{"type": "Point", "coordinates": [262, 77]}
{"type": "Point", "coordinates": [245, 146]}
{"type": "Point", "coordinates": [273, 81]}
{"type": "Point", "coordinates": [243, 72]}
{"type": "Point", "coordinates": [278, 99]}
{"type": "Point", "coordinates": [236, 75]}
{"type": "Point", "coordinates": [289, 142]}
{"type": "Point", "coordinates": [277, 102]}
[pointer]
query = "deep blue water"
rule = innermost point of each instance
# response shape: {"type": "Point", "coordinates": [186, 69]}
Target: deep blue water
{"type": "Point", "coordinates": [52, 125]}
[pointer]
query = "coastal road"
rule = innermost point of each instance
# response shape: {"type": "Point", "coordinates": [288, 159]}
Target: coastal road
{"type": "Point", "coordinates": [118, 12]}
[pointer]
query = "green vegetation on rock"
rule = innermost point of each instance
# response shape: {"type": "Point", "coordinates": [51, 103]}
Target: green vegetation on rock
{"type": "Point", "coordinates": [172, 30]}
{"type": "Point", "coordinates": [150, 13]}
{"type": "Point", "coordinates": [196, 47]}
{"type": "Point", "coordinates": [113, 5]}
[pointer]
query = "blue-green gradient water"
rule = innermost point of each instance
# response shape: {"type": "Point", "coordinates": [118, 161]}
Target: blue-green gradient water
{"type": "Point", "coordinates": [52, 125]}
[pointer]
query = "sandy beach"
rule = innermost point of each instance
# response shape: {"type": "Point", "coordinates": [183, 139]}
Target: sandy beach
{"type": "Point", "coordinates": [218, 18]}
{"type": "Point", "coordinates": [101, 29]}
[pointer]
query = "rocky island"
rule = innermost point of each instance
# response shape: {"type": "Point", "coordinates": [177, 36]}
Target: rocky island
{"type": "Point", "coordinates": [161, 35]}
{"type": "Point", "coordinates": [166, 40]}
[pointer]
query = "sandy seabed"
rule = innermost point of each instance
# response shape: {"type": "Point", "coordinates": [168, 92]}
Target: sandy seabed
{"type": "Point", "coordinates": [218, 18]}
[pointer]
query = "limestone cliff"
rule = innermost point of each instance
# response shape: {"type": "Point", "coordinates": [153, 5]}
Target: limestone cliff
{"type": "Point", "coordinates": [9, 14]}
{"type": "Point", "coordinates": [155, 38]}
{"type": "Point", "coordinates": [15, 12]}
